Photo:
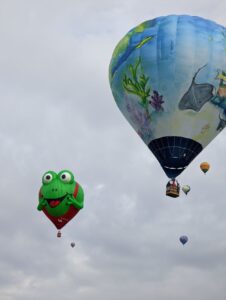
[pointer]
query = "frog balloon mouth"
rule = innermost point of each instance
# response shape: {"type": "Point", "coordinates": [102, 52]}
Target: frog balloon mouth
{"type": "Point", "coordinates": [55, 202]}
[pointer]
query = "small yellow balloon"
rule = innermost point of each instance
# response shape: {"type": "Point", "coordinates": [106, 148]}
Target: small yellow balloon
{"type": "Point", "coordinates": [204, 166]}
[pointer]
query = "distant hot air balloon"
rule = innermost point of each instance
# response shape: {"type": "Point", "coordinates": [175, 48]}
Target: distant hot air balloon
{"type": "Point", "coordinates": [60, 197]}
{"type": "Point", "coordinates": [72, 244]}
{"type": "Point", "coordinates": [183, 239]}
{"type": "Point", "coordinates": [168, 76]}
{"type": "Point", "coordinates": [204, 166]}
{"type": "Point", "coordinates": [186, 189]}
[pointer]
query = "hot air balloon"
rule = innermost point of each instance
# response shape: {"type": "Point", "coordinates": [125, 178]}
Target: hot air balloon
{"type": "Point", "coordinates": [72, 244]}
{"type": "Point", "coordinates": [204, 166]}
{"type": "Point", "coordinates": [183, 239]}
{"type": "Point", "coordinates": [186, 189]}
{"type": "Point", "coordinates": [60, 197]}
{"type": "Point", "coordinates": [167, 78]}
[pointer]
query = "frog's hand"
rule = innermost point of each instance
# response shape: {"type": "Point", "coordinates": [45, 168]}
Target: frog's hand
{"type": "Point", "coordinates": [42, 204]}
{"type": "Point", "coordinates": [78, 197]}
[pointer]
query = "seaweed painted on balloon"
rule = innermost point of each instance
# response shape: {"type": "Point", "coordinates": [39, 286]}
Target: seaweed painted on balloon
{"type": "Point", "coordinates": [140, 118]}
{"type": "Point", "coordinates": [157, 101]}
{"type": "Point", "coordinates": [136, 83]}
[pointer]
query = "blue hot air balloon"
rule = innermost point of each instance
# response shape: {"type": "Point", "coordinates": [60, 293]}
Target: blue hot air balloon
{"type": "Point", "coordinates": [183, 239]}
{"type": "Point", "coordinates": [168, 78]}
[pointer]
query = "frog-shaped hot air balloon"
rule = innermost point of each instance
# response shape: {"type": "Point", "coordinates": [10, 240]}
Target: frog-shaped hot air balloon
{"type": "Point", "coordinates": [60, 197]}
{"type": "Point", "coordinates": [167, 76]}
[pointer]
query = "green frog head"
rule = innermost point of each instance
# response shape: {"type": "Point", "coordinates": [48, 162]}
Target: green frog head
{"type": "Point", "coordinates": [58, 192]}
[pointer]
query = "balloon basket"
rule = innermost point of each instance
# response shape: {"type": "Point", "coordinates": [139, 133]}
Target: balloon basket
{"type": "Point", "coordinates": [173, 189]}
{"type": "Point", "coordinates": [59, 234]}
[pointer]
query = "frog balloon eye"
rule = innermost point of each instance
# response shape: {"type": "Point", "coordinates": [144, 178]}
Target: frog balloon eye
{"type": "Point", "coordinates": [47, 178]}
{"type": "Point", "coordinates": [65, 177]}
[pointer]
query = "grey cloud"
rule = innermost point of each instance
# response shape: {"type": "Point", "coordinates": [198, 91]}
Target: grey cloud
{"type": "Point", "coordinates": [57, 112]}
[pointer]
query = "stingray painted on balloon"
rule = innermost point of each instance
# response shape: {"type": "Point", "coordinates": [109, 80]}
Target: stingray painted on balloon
{"type": "Point", "coordinates": [168, 78]}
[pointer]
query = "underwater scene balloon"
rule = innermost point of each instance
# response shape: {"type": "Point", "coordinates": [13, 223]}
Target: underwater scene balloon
{"type": "Point", "coordinates": [168, 78]}
{"type": "Point", "coordinates": [60, 197]}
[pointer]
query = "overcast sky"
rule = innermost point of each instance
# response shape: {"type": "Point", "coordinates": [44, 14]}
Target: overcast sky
{"type": "Point", "coordinates": [57, 112]}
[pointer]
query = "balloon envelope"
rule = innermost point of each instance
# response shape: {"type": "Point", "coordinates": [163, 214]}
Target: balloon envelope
{"type": "Point", "coordinates": [168, 78]}
{"type": "Point", "coordinates": [186, 189]}
{"type": "Point", "coordinates": [183, 239]}
{"type": "Point", "coordinates": [72, 244]}
{"type": "Point", "coordinates": [204, 166]}
{"type": "Point", "coordinates": [60, 197]}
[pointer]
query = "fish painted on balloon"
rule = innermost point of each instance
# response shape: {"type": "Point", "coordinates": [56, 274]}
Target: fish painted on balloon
{"type": "Point", "coordinates": [199, 94]}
